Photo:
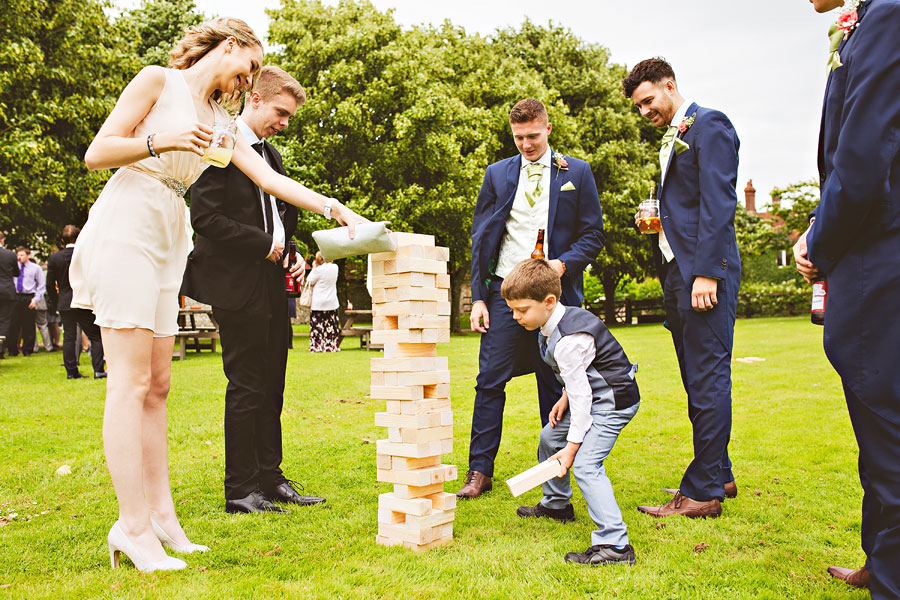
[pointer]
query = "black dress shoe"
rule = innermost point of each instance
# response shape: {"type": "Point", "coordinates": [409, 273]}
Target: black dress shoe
{"type": "Point", "coordinates": [563, 515]}
{"type": "Point", "coordinates": [254, 503]}
{"type": "Point", "coordinates": [285, 492]}
{"type": "Point", "coordinates": [603, 555]}
{"type": "Point", "coordinates": [100, 375]}
{"type": "Point", "coordinates": [75, 375]}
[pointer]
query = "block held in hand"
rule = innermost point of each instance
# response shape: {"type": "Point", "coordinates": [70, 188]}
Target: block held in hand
{"type": "Point", "coordinates": [533, 477]}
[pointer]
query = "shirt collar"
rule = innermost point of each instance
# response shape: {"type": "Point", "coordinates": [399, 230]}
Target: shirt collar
{"type": "Point", "coordinates": [543, 160]}
{"type": "Point", "coordinates": [681, 113]}
{"type": "Point", "coordinates": [247, 132]}
{"type": "Point", "coordinates": [70, 245]}
{"type": "Point", "coordinates": [557, 314]}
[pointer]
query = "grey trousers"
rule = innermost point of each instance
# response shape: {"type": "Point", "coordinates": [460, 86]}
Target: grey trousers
{"type": "Point", "coordinates": [589, 471]}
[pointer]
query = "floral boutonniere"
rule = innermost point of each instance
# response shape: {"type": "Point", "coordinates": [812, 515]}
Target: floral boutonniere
{"type": "Point", "coordinates": [561, 165]}
{"type": "Point", "coordinates": [680, 144]}
{"type": "Point", "coordinates": [840, 30]}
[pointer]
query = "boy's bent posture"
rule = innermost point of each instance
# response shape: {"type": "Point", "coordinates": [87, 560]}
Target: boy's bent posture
{"type": "Point", "coordinates": [600, 390]}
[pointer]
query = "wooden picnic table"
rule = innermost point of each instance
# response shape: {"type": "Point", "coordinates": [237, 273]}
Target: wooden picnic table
{"type": "Point", "coordinates": [364, 332]}
{"type": "Point", "coordinates": [197, 333]}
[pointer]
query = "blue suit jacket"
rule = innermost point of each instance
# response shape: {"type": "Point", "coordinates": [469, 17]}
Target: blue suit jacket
{"type": "Point", "coordinates": [697, 200]}
{"type": "Point", "coordinates": [855, 239]}
{"type": "Point", "coordinates": [574, 224]}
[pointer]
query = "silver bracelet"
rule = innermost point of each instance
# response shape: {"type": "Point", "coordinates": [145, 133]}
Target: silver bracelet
{"type": "Point", "coordinates": [150, 146]}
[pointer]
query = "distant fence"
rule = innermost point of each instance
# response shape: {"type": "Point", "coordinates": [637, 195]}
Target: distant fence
{"type": "Point", "coordinates": [628, 311]}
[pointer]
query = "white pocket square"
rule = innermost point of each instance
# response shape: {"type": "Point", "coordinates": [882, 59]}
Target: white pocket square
{"type": "Point", "coordinates": [568, 186]}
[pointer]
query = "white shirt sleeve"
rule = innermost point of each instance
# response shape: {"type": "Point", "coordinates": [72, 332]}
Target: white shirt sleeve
{"type": "Point", "coordinates": [574, 354]}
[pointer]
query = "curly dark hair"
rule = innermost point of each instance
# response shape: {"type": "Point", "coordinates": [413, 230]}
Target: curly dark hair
{"type": "Point", "coordinates": [653, 70]}
{"type": "Point", "coordinates": [527, 110]}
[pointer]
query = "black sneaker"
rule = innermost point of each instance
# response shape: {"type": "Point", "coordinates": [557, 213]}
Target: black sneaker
{"type": "Point", "coordinates": [603, 555]}
{"type": "Point", "coordinates": [563, 515]}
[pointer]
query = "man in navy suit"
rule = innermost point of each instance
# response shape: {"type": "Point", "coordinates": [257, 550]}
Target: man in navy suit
{"type": "Point", "coordinates": [9, 269]}
{"type": "Point", "coordinates": [700, 270]}
{"type": "Point", "coordinates": [854, 243]}
{"type": "Point", "coordinates": [537, 189]}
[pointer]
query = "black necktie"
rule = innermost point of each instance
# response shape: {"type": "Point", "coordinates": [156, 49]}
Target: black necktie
{"type": "Point", "coordinates": [267, 202]}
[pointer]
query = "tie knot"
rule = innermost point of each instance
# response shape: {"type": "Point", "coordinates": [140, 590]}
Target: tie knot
{"type": "Point", "coordinates": [534, 169]}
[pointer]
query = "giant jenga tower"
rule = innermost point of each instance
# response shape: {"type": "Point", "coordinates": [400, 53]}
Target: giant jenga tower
{"type": "Point", "coordinates": [411, 315]}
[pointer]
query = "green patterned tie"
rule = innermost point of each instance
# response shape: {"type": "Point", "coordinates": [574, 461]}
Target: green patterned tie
{"type": "Point", "coordinates": [533, 189]}
{"type": "Point", "coordinates": [668, 142]}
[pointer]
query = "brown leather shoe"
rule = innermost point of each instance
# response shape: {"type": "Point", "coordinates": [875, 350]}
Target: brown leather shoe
{"type": "Point", "coordinates": [476, 484]}
{"type": "Point", "coordinates": [682, 505]}
{"type": "Point", "coordinates": [858, 578]}
{"type": "Point", "coordinates": [730, 490]}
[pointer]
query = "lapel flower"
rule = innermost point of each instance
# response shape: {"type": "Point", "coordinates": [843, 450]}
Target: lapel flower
{"type": "Point", "coordinates": [561, 163]}
{"type": "Point", "coordinates": [840, 30]}
{"type": "Point", "coordinates": [686, 124]}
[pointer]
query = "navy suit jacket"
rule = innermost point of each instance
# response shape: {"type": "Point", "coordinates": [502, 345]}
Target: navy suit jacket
{"type": "Point", "coordinates": [574, 223]}
{"type": "Point", "coordinates": [59, 290]}
{"type": "Point", "coordinates": [9, 270]}
{"type": "Point", "coordinates": [697, 201]}
{"type": "Point", "coordinates": [855, 239]}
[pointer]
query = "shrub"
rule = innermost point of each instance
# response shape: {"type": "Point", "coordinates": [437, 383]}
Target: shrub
{"type": "Point", "coordinates": [771, 299]}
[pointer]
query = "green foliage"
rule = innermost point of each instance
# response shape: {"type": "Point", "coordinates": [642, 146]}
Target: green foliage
{"type": "Point", "coordinates": [756, 235]}
{"type": "Point", "coordinates": [645, 289]}
{"type": "Point", "coordinates": [156, 25]}
{"type": "Point", "coordinates": [763, 268]}
{"type": "Point", "coordinates": [773, 299]}
{"type": "Point", "coordinates": [799, 200]}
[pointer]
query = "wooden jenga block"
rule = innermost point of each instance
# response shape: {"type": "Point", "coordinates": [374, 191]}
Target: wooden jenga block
{"type": "Point", "coordinates": [411, 450]}
{"type": "Point", "coordinates": [533, 477]}
{"type": "Point", "coordinates": [400, 336]}
{"type": "Point", "coordinates": [377, 378]}
{"type": "Point", "coordinates": [436, 253]}
{"type": "Point", "coordinates": [391, 378]}
{"type": "Point", "coordinates": [442, 501]}
{"type": "Point", "coordinates": [386, 541]}
{"type": "Point", "coordinates": [435, 336]}
{"type": "Point", "coordinates": [383, 461]}
{"type": "Point", "coordinates": [420, 436]}
{"type": "Point", "coordinates": [439, 391]}
{"type": "Point", "coordinates": [412, 239]}
{"type": "Point", "coordinates": [426, 420]}
{"type": "Point", "coordinates": [421, 321]}
{"type": "Point", "coordinates": [394, 435]}
{"type": "Point", "coordinates": [409, 492]}
{"type": "Point", "coordinates": [384, 323]}
{"type": "Point", "coordinates": [404, 293]}
{"type": "Point", "coordinates": [420, 548]}
{"type": "Point", "coordinates": [418, 477]}
{"type": "Point", "coordinates": [403, 532]}
{"type": "Point", "coordinates": [379, 295]}
{"type": "Point", "coordinates": [405, 392]}
{"type": "Point", "coordinates": [410, 350]}
{"type": "Point", "coordinates": [429, 521]}
{"type": "Point", "coordinates": [423, 377]}
{"type": "Point", "coordinates": [378, 269]}
{"type": "Point", "coordinates": [413, 265]}
{"type": "Point", "coordinates": [390, 517]}
{"type": "Point", "coordinates": [429, 280]}
{"type": "Point", "coordinates": [441, 281]}
{"type": "Point", "coordinates": [414, 506]}
{"type": "Point", "coordinates": [416, 407]}
{"type": "Point", "coordinates": [405, 308]}
{"type": "Point", "coordinates": [421, 363]}
{"type": "Point", "coordinates": [443, 308]}
{"type": "Point", "coordinates": [415, 251]}
{"type": "Point", "coordinates": [402, 463]}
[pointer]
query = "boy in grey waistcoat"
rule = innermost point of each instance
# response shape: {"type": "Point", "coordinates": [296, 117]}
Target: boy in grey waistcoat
{"type": "Point", "coordinates": [600, 397]}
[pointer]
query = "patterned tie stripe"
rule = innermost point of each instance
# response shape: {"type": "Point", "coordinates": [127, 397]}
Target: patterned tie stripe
{"type": "Point", "coordinates": [533, 189]}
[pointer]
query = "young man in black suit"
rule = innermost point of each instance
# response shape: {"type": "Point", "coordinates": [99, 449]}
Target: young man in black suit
{"type": "Point", "coordinates": [236, 266]}
{"type": "Point", "coordinates": [9, 269]}
{"type": "Point", "coordinates": [59, 292]}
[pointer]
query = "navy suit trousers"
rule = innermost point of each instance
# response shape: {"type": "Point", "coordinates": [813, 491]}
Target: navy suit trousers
{"type": "Point", "coordinates": [705, 365]}
{"type": "Point", "coordinates": [879, 474]}
{"type": "Point", "coordinates": [507, 350]}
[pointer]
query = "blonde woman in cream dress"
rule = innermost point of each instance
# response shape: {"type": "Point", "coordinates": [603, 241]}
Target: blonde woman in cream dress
{"type": "Point", "coordinates": [130, 257]}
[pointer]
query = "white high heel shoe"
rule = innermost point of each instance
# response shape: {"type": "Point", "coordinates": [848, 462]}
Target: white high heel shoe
{"type": "Point", "coordinates": [119, 543]}
{"type": "Point", "coordinates": [168, 542]}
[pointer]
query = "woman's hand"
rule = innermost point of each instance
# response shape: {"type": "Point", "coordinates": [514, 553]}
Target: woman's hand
{"type": "Point", "coordinates": [196, 139]}
{"type": "Point", "coordinates": [348, 218]}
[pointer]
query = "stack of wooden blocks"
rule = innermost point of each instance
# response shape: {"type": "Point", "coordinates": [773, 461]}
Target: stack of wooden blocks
{"type": "Point", "coordinates": [411, 315]}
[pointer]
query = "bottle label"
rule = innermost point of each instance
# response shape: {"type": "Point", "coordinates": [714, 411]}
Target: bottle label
{"type": "Point", "coordinates": [820, 292]}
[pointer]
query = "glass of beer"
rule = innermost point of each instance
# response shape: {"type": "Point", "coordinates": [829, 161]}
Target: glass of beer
{"type": "Point", "coordinates": [220, 149]}
{"type": "Point", "coordinates": [649, 216]}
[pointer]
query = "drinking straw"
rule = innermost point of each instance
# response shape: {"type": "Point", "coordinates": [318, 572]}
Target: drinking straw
{"type": "Point", "coordinates": [218, 142]}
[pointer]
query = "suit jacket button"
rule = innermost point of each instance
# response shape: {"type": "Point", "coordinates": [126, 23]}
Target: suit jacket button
{"type": "Point", "coordinates": [724, 263]}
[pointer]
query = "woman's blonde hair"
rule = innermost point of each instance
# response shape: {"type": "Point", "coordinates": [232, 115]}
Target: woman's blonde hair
{"type": "Point", "coordinates": [199, 40]}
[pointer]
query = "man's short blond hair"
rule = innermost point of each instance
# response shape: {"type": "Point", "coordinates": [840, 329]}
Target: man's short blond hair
{"type": "Point", "coordinates": [272, 81]}
{"type": "Point", "coordinates": [531, 279]}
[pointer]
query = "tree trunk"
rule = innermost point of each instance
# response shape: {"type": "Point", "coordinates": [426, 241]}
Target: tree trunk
{"type": "Point", "coordinates": [610, 281]}
{"type": "Point", "coordinates": [456, 280]}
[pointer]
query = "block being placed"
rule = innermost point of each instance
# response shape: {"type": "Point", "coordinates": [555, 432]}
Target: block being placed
{"type": "Point", "coordinates": [533, 477]}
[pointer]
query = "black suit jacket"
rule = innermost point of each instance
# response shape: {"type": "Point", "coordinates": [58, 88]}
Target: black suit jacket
{"type": "Point", "coordinates": [58, 277]}
{"type": "Point", "coordinates": [228, 267]}
{"type": "Point", "coordinates": [9, 270]}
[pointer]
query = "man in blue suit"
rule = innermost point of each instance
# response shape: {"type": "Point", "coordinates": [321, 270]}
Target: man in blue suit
{"type": "Point", "coordinates": [854, 243]}
{"type": "Point", "coordinates": [700, 270]}
{"type": "Point", "coordinates": [537, 189]}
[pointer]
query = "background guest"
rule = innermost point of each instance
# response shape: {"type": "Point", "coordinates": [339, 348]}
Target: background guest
{"type": "Point", "coordinates": [324, 325]}
{"type": "Point", "coordinates": [30, 287]}
{"type": "Point", "coordinates": [9, 269]}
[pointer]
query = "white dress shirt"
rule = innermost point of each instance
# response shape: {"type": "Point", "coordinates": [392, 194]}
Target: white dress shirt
{"type": "Point", "coordinates": [573, 355]}
{"type": "Point", "coordinates": [524, 220]}
{"type": "Point", "coordinates": [677, 118]}
{"type": "Point", "coordinates": [277, 225]}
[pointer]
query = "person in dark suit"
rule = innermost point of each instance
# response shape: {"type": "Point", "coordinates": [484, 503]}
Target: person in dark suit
{"type": "Point", "coordinates": [700, 270]}
{"type": "Point", "coordinates": [853, 243]}
{"type": "Point", "coordinates": [59, 293]}
{"type": "Point", "coordinates": [236, 266]}
{"type": "Point", "coordinates": [536, 189]}
{"type": "Point", "coordinates": [9, 269]}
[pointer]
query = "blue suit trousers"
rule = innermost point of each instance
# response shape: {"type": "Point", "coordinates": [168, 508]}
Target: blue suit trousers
{"type": "Point", "coordinates": [705, 365]}
{"type": "Point", "coordinates": [507, 350]}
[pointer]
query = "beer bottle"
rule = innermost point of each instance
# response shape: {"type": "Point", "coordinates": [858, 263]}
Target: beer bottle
{"type": "Point", "coordinates": [819, 296]}
{"type": "Point", "coordinates": [539, 246]}
{"type": "Point", "coordinates": [290, 284]}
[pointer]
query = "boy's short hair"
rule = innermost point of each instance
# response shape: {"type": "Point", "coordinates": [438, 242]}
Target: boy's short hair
{"type": "Point", "coordinates": [528, 110]}
{"type": "Point", "coordinates": [531, 279]}
{"type": "Point", "coordinates": [272, 81]}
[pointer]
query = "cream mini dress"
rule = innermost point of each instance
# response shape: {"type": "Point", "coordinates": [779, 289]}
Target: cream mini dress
{"type": "Point", "coordinates": [130, 257]}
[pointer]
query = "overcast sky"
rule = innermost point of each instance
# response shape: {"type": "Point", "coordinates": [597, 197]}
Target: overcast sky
{"type": "Point", "coordinates": [762, 62]}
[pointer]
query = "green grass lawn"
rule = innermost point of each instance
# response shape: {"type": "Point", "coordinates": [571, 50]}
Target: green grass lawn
{"type": "Point", "coordinates": [797, 512]}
